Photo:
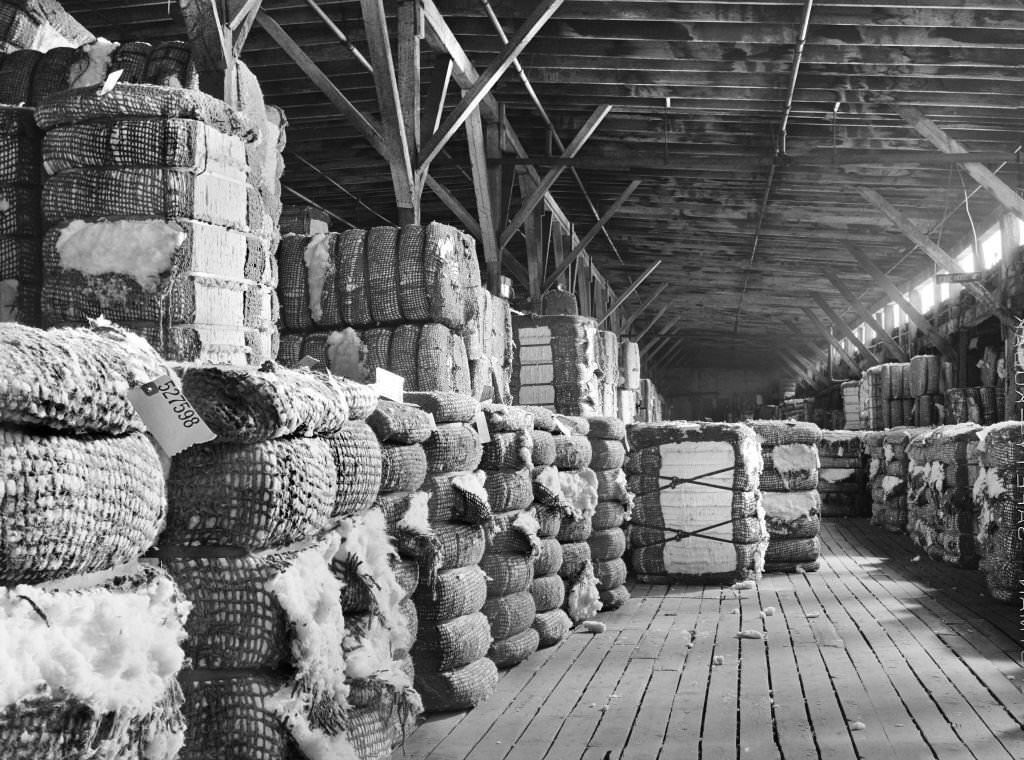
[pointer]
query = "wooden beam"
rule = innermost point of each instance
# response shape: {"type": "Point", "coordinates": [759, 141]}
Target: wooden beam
{"type": "Point", "coordinates": [654, 321]}
{"type": "Point", "coordinates": [410, 32]}
{"type": "Point", "coordinates": [893, 291]}
{"type": "Point", "coordinates": [630, 290]}
{"type": "Point", "coordinates": [461, 212]}
{"type": "Point", "coordinates": [593, 232]}
{"type": "Point", "coordinates": [789, 361]}
{"type": "Point", "coordinates": [935, 252]}
{"type": "Point", "coordinates": [484, 202]}
{"type": "Point", "coordinates": [212, 52]}
{"type": "Point", "coordinates": [656, 343]}
{"type": "Point", "coordinates": [624, 328]}
{"type": "Point", "coordinates": [396, 139]}
{"type": "Point", "coordinates": [869, 319]}
{"type": "Point", "coordinates": [1006, 196]}
{"type": "Point", "coordinates": [488, 79]}
{"type": "Point", "coordinates": [558, 248]}
{"type": "Point", "coordinates": [368, 128]}
{"type": "Point", "coordinates": [243, 16]}
{"type": "Point", "coordinates": [543, 187]}
{"type": "Point", "coordinates": [827, 334]}
{"type": "Point", "coordinates": [534, 229]}
{"type": "Point", "coordinates": [840, 324]}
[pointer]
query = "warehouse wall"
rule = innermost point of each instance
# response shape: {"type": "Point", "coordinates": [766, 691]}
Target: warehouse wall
{"type": "Point", "coordinates": [718, 393]}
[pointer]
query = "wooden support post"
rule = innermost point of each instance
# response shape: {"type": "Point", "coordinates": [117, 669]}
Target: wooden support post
{"type": "Point", "coordinates": [869, 319]}
{"type": "Point", "coordinates": [536, 197]}
{"type": "Point", "coordinates": [631, 290]}
{"type": "Point", "coordinates": [396, 134]}
{"type": "Point", "coordinates": [894, 292]}
{"type": "Point", "coordinates": [534, 230]}
{"type": "Point", "coordinates": [581, 246]}
{"type": "Point", "coordinates": [410, 33]}
{"type": "Point", "coordinates": [628, 322]}
{"type": "Point", "coordinates": [935, 252]}
{"type": "Point", "coordinates": [476, 139]}
{"type": "Point", "coordinates": [487, 80]}
{"type": "Point", "coordinates": [827, 334]}
{"type": "Point", "coordinates": [838, 323]}
{"type": "Point", "coordinates": [558, 248]}
{"type": "Point", "coordinates": [213, 54]}
{"type": "Point", "coordinates": [1005, 195]}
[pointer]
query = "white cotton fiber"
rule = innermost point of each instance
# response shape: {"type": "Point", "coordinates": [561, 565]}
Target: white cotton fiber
{"type": "Point", "coordinates": [318, 264]}
{"type": "Point", "coordinates": [890, 483]}
{"type": "Point", "coordinates": [113, 650]}
{"type": "Point", "coordinates": [792, 458]}
{"type": "Point", "coordinates": [416, 519]}
{"type": "Point", "coordinates": [347, 354]}
{"type": "Point", "coordinates": [584, 600]}
{"type": "Point", "coordinates": [92, 70]}
{"type": "Point", "coordinates": [314, 743]}
{"type": "Point", "coordinates": [836, 474]}
{"type": "Point", "coordinates": [143, 250]}
{"type": "Point", "coordinates": [580, 491]}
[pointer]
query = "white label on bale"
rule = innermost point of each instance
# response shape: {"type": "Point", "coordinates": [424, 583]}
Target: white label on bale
{"type": "Point", "coordinates": [389, 385]}
{"type": "Point", "coordinates": [481, 427]}
{"type": "Point", "coordinates": [168, 415]}
{"type": "Point", "coordinates": [110, 82]}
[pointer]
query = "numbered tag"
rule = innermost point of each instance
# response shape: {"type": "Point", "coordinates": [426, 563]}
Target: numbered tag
{"type": "Point", "coordinates": [110, 82]}
{"type": "Point", "coordinates": [168, 415]}
{"type": "Point", "coordinates": [482, 430]}
{"type": "Point", "coordinates": [389, 385]}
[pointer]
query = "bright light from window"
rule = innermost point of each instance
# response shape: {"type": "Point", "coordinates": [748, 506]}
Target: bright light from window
{"type": "Point", "coordinates": [966, 260]}
{"type": "Point", "coordinates": [992, 248]}
{"type": "Point", "coordinates": [926, 294]}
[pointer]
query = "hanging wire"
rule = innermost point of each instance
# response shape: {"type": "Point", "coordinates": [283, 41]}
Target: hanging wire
{"type": "Point", "coordinates": [341, 187]}
{"type": "Point", "coordinates": [979, 265]}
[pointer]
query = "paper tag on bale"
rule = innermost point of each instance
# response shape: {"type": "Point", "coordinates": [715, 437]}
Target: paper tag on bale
{"type": "Point", "coordinates": [308, 362]}
{"type": "Point", "coordinates": [389, 385]}
{"type": "Point", "coordinates": [482, 431]}
{"type": "Point", "coordinates": [168, 415]}
{"type": "Point", "coordinates": [110, 82]}
{"type": "Point", "coordinates": [562, 427]}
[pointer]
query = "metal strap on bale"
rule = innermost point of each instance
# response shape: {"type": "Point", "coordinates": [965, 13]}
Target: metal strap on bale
{"type": "Point", "coordinates": [678, 534]}
{"type": "Point", "coordinates": [675, 482]}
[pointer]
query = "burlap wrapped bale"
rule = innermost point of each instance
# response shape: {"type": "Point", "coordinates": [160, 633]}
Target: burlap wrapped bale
{"type": "Point", "coordinates": [549, 557]}
{"type": "Point", "coordinates": [509, 615]}
{"type": "Point", "coordinates": [792, 555]}
{"type": "Point", "coordinates": [403, 468]}
{"type": "Point", "coordinates": [998, 493]}
{"type": "Point", "coordinates": [307, 283]}
{"type": "Point", "coordinates": [575, 557]}
{"type": "Point", "coordinates": [607, 454]}
{"type": "Point", "coordinates": [508, 451]}
{"type": "Point", "coordinates": [452, 643]}
{"type": "Point", "coordinates": [461, 545]}
{"type": "Point", "coordinates": [509, 491]}
{"type": "Point", "coordinates": [609, 514]}
{"type": "Point", "coordinates": [445, 407]}
{"type": "Point", "coordinates": [575, 529]}
{"type": "Point", "coordinates": [458, 497]}
{"type": "Point", "coordinates": [76, 505]}
{"type": "Point", "coordinates": [613, 598]}
{"type": "Point", "coordinates": [453, 447]}
{"type": "Point", "coordinates": [795, 514]}
{"type": "Point", "coordinates": [610, 573]}
{"type": "Point", "coordinates": [606, 545]}
{"type": "Point", "coordinates": [400, 423]}
{"type": "Point", "coordinates": [544, 450]}
{"type": "Point", "coordinates": [502, 418]}
{"type": "Point", "coordinates": [460, 689]}
{"type": "Point", "coordinates": [513, 650]}
{"type": "Point", "coordinates": [553, 627]}
{"type": "Point", "coordinates": [548, 592]}
{"type": "Point", "coordinates": [506, 573]}
{"type": "Point", "coordinates": [572, 452]}
{"type": "Point", "coordinates": [456, 593]}
{"type": "Point", "coordinates": [383, 275]}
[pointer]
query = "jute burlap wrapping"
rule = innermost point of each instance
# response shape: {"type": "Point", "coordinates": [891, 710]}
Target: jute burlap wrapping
{"type": "Point", "coordinates": [453, 447]}
{"type": "Point", "coordinates": [400, 423]}
{"type": "Point", "coordinates": [606, 545]}
{"type": "Point", "coordinates": [577, 425]}
{"type": "Point", "coordinates": [574, 530]}
{"type": "Point", "coordinates": [71, 730]}
{"type": "Point", "coordinates": [549, 517]}
{"type": "Point", "coordinates": [553, 627]}
{"type": "Point", "coordinates": [506, 573]}
{"type": "Point", "coordinates": [441, 362]}
{"type": "Point", "coordinates": [289, 351]}
{"type": "Point", "coordinates": [461, 545]}
{"type": "Point", "coordinates": [357, 463]}
{"type": "Point", "coordinates": [403, 468]}
{"type": "Point", "coordinates": [502, 418]}
{"type": "Point", "coordinates": [371, 731]}
{"type": "Point", "coordinates": [445, 407]}
{"type": "Point", "coordinates": [549, 558]}
{"type": "Point", "coordinates": [548, 592]}
{"type": "Point", "coordinates": [453, 500]}
{"type": "Point", "coordinates": [607, 428]}
{"type": "Point", "coordinates": [509, 615]}
{"type": "Point", "coordinates": [294, 284]}
{"type": "Point", "coordinates": [544, 451]}
{"type": "Point", "coordinates": [131, 57]}
{"type": "Point", "coordinates": [378, 347]}
{"type": "Point", "coordinates": [145, 194]}
{"type": "Point", "coordinates": [51, 73]}
{"type": "Point", "coordinates": [786, 555]}
{"type": "Point", "coordinates": [248, 405]}
{"type": "Point", "coordinates": [413, 299]}
{"type": "Point", "coordinates": [508, 451]}
{"type": "Point", "coordinates": [170, 64]}
{"type": "Point", "coordinates": [84, 104]}
{"type": "Point", "coordinates": [610, 573]}
{"type": "Point", "coordinates": [353, 290]}
{"type": "Point", "coordinates": [572, 452]}
{"type": "Point", "coordinates": [452, 643]}
{"type": "Point", "coordinates": [460, 689]}
{"type": "Point", "coordinates": [404, 352]}
{"type": "Point", "coordinates": [16, 72]}
{"type": "Point", "coordinates": [949, 444]}
{"type": "Point", "coordinates": [232, 711]}
{"type": "Point", "coordinates": [513, 650]}
{"type": "Point", "coordinates": [456, 593]}
{"type": "Point", "coordinates": [509, 491]}
{"type": "Point", "coordinates": [613, 598]}
{"type": "Point", "coordinates": [383, 275]}
{"type": "Point", "coordinates": [773, 480]}
{"type": "Point", "coordinates": [443, 265]}
{"type": "Point", "coordinates": [512, 538]}
{"type": "Point", "coordinates": [543, 419]}
{"type": "Point", "coordinates": [925, 372]}
{"type": "Point", "coordinates": [21, 214]}
{"type": "Point", "coordinates": [606, 454]}
{"type": "Point", "coordinates": [357, 593]}
{"type": "Point", "coordinates": [609, 514]}
{"type": "Point", "coordinates": [575, 556]}
{"type": "Point", "coordinates": [20, 259]}
{"type": "Point", "coordinates": [779, 432]}
{"type": "Point", "coordinates": [236, 621]}
{"type": "Point", "coordinates": [137, 143]}
{"type": "Point", "coordinates": [20, 160]}
{"type": "Point", "coordinates": [73, 379]}
{"type": "Point", "coordinates": [612, 485]}
{"type": "Point", "coordinates": [76, 505]}
{"type": "Point", "coordinates": [253, 496]}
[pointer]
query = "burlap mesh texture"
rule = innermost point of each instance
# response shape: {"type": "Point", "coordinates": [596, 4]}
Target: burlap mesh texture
{"type": "Point", "coordinates": [506, 573]}
{"type": "Point", "coordinates": [293, 286]}
{"type": "Point", "coordinates": [445, 407]}
{"type": "Point", "coordinates": [510, 614]}
{"type": "Point", "coordinates": [51, 73]}
{"type": "Point", "coordinates": [552, 626]}
{"type": "Point", "coordinates": [549, 558]}
{"type": "Point", "coordinates": [450, 502]}
{"type": "Point", "coordinates": [502, 418]}
{"type": "Point", "coordinates": [573, 531]}
{"type": "Point", "coordinates": [575, 556]}
{"type": "Point", "coordinates": [131, 57]}
{"type": "Point", "coordinates": [572, 452]}
{"type": "Point", "coordinates": [461, 545]}
{"type": "Point", "coordinates": [513, 650]}
{"type": "Point", "coordinates": [613, 598]}
{"type": "Point", "coordinates": [452, 643]}
{"type": "Point", "coordinates": [788, 553]}
{"type": "Point", "coordinates": [72, 379]}
{"type": "Point", "coordinates": [610, 573]}
{"type": "Point", "coordinates": [400, 423]}
{"type": "Point", "coordinates": [358, 588]}
{"type": "Point", "coordinates": [649, 566]}
{"type": "Point", "coordinates": [608, 514]}
{"type": "Point", "coordinates": [16, 71]}
{"type": "Point", "coordinates": [544, 451]}
{"type": "Point", "coordinates": [456, 593]}
{"type": "Point", "coordinates": [453, 447]}
{"type": "Point", "coordinates": [607, 454]}
{"type": "Point", "coordinates": [509, 491]}
{"type": "Point", "coordinates": [170, 64]}
{"type": "Point", "coordinates": [460, 689]}
{"type": "Point", "coordinates": [607, 428]}
{"type": "Point", "coordinates": [606, 545]}
{"type": "Point", "coordinates": [548, 592]}
{"type": "Point", "coordinates": [543, 419]}
{"type": "Point", "coordinates": [508, 451]}
{"type": "Point", "coordinates": [404, 468]}
{"type": "Point", "coordinates": [76, 505]}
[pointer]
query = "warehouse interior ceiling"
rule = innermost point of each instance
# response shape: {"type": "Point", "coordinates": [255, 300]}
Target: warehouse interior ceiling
{"type": "Point", "coordinates": [754, 201]}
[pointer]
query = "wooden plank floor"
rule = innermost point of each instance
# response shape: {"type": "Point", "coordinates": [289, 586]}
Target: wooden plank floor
{"type": "Point", "coordinates": [881, 655]}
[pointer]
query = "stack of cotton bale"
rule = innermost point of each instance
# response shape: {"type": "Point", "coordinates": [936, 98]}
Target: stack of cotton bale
{"type": "Point", "coordinates": [579, 485]}
{"type": "Point", "coordinates": [928, 384]}
{"type": "Point", "coordinates": [850, 391]}
{"type": "Point", "coordinates": [509, 559]}
{"type": "Point", "coordinates": [608, 539]}
{"type": "Point", "coordinates": [409, 294]}
{"type": "Point", "coordinates": [892, 477]}
{"type": "Point", "coordinates": [453, 671]}
{"type": "Point", "coordinates": [842, 477]}
{"type": "Point", "coordinates": [941, 510]}
{"type": "Point", "coordinates": [998, 494]}
{"type": "Point", "coordinates": [607, 357]}
{"type": "Point", "coordinates": [789, 489]}
{"type": "Point", "coordinates": [697, 515]}
{"type": "Point", "coordinates": [556, 363]}
{"type": "Point", "coordinates": [91, 638]}
{"type": "Point", "coordinates": [629, 379]}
